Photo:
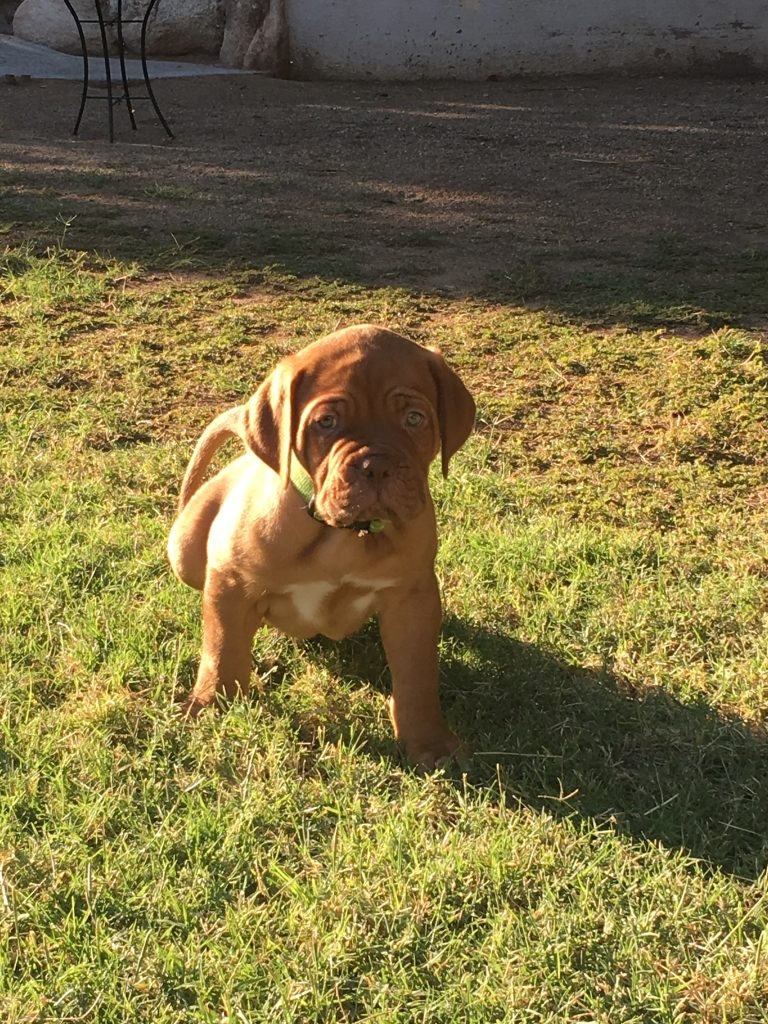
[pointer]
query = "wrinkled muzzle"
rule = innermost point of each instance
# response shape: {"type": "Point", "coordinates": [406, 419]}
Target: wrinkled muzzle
{"type": "Point", "coordinates": [370, 483]}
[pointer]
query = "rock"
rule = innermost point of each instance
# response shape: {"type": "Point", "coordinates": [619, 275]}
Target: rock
{"type": "Point", "coordinates": [243, 18]}
{"type": "Point", "coordinates": [175, 26]}
{"type": "Point", "coordinates": [49, 22]}
{"type": "Point", "coordinates": [255, 35]}
{"type": "Point", "coordinates": [7, 11]}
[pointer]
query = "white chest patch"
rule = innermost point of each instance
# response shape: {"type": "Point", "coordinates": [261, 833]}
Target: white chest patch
{"type": "Point", "coordinates": [307, 598]}
{"type": "Point", "coordinates": [364, 584]}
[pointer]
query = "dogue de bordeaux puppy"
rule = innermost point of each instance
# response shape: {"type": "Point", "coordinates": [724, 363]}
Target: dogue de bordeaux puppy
{"type": "Point", "coordinates": [326, 519]}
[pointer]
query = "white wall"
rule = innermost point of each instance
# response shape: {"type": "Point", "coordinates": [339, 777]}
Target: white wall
{"type": "Point", "coordinates": [472, 39]}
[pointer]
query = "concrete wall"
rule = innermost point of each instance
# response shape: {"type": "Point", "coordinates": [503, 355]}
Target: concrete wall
{"type": "Point", "coordinates": [475, 39]}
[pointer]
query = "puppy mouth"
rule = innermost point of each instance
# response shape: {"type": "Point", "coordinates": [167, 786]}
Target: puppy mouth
{"type": "Point", "coordinates": [363, 485]}
{"type": "Point", "coordinates": [343, 506]}
{"type": "Point", "coordinates": [347, 517]}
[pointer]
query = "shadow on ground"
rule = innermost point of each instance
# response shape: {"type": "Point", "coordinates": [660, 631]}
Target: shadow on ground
{"type": "Point", "coordinates": [576, 742]}
{"type": "Point", "coordinates": [609, 200]}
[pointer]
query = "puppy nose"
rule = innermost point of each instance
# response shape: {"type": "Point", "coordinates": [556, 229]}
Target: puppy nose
{"type": "Point", "coordinates": [374, 467]}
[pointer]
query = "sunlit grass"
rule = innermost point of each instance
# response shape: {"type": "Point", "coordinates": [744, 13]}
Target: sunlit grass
{"type": "Point", "coordinates": [605, 652]}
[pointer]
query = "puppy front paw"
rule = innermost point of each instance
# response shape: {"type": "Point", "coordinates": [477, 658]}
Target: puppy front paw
{"type": "Point", "coordinates": [434, 750]}
{"type": "Point", "coordinates": [191, 706]}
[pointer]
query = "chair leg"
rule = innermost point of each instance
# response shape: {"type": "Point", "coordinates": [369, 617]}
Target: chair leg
{"type": "Point", "coordinates": [124, 75]}
{"type": "Point", "coordinates": [84, 49]}
{"type": "Point", "coordinates": [144, 68]}
{"type": "Point", "coordinates": [107, 70]}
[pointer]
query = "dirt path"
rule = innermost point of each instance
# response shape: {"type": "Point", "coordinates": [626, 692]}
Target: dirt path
{"type": "Point", "coordinates": [441, 187]}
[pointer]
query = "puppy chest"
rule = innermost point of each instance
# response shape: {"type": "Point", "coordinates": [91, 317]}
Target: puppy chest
{"type": "Point", "coordinates": [335, 608]}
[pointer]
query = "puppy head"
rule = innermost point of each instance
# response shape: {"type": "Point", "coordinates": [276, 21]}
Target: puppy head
{"type": "Point", "coordinates": [365, 411]}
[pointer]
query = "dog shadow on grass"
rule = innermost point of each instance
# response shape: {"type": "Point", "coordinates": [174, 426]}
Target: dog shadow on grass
{"type": "Point", "coordinates": [578, 742]}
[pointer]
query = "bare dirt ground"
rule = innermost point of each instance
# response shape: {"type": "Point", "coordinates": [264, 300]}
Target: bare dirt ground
{"type": "Point", "coordinates": [443, 187]}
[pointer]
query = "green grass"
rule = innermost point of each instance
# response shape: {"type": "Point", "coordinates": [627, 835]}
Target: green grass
{"type": "Point", "coordinates": [605, 652]}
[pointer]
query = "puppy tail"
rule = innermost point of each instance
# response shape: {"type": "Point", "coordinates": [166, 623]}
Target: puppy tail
{"type": "Point", "coordinates": [228, 424]}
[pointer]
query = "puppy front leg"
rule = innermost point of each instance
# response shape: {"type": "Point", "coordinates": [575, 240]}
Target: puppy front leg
{"type": "Point", "coordinates": [409, 621]}
{"type": "Point", "coordinates": [229, 622]}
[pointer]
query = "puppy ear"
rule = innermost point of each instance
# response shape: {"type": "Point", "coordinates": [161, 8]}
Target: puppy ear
{"type": "Point", "coordinates": [455, 408]}
{"type": "Point", "coordinates": [270, 421]}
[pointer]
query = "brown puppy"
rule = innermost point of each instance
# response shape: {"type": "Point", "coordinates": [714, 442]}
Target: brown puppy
{"type": "Point", "coordinates": [346, 428]}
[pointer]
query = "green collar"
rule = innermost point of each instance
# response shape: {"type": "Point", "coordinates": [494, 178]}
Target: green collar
{"type": "Point", "coordinates": [302, 481]}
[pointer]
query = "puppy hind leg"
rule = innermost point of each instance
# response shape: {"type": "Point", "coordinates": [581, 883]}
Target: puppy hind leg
{"type": "Point", "coordinates": [229, 623]}
{"type": "Point", "coordinates": [188, 540]}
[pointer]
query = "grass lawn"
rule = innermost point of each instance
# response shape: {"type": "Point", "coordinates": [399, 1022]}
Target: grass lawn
{"type": "Point", "coordinates": [604, 566]}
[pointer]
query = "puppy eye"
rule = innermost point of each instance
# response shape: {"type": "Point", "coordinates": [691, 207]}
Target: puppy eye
{"type": "Point", "coordinates": [415, 418]}
{"type": "Point", "coordinates": [327, 422]}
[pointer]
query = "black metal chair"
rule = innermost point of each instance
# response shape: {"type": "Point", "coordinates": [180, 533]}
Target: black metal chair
{"type": "Point", "coordinates": [118, 22]}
